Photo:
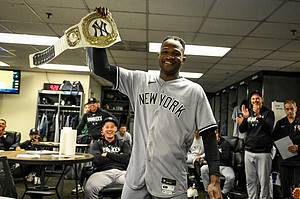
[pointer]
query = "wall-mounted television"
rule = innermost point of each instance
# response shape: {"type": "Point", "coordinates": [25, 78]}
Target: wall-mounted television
{"type": "Point", "coordinates": [10, 81]}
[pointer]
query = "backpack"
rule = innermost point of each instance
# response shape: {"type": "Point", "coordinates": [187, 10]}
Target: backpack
{"type": "Point", "coordinates": [66, 86]}
{"type": "Point", "coordinates": [77, 86]}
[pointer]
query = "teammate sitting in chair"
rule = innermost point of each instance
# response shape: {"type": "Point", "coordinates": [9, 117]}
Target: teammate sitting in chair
{"type": "Point", "coordinates": [8, 140]}
{"type": "Point", "coordinates": [225, 166]}
{"type": "Point", "coordinates": [195, 157]}
{"type": "Point", "coordinates": [111, 160]}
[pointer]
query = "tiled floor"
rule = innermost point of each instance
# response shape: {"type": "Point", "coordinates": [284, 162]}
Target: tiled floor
{"type": "Point", "coordinates": [68, 186]}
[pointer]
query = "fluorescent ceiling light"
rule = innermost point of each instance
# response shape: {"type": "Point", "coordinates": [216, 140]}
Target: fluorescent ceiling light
{"type": "Point", "coordinates": [3, 63]}
{"type": "Point", "coordinates": [65, 67]}
{"type": "Point", "coordinates": [182, 74]}
{"type": "Point", "coordinates": [27, 39]}
{"type": "Point", "coordinates": [195, 50]}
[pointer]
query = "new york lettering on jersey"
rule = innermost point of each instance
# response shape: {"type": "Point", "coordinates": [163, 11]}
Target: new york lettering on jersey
{"type": "Point", "coordinates": [163, 100]}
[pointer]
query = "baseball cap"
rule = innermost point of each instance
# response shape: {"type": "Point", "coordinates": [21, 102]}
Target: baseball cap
{"type": "Point", "coordinates": [110, 119]}
{"type": "Point", "coordinates": [33, 131]}
{"type": "Point", "coordinates": [92, 100]}
{"type": "Point", "coordinates": [255, 92]}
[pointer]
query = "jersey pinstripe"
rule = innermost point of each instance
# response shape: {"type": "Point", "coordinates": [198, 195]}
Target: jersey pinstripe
{"type": "Point", "coordinates": [166, 115]}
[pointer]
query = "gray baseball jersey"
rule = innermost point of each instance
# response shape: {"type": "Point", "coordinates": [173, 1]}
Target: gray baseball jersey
{"type": "Point", "coordinates": [166, 115]}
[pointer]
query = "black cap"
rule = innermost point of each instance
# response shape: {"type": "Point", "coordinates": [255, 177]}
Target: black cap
{"type": "Point", "coordinates": [92, 100]}
{"type": "Point", "coordinates": [110, 119]}
{"type": "Point", "coordinates": [34, 131]}
{"type": "Point", "coordinates": [256, 92]}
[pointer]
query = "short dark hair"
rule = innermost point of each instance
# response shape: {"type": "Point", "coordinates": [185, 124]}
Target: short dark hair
{"type": "Point", "coordinates": [255, 92]}
{"type": "Point", "coordinates": [182, 42]}
{"type": "Point", "coordinates": [3, 120]}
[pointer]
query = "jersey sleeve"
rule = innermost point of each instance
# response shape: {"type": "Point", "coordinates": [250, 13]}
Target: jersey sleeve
{"type": "Point", "coordinates": [128, 81]}
{"type": "Point", "coordinates": [204, 115]}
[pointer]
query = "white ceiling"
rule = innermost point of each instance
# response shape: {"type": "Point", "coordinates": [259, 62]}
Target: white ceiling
{"type": "Point", "coordinates": [258, 31]}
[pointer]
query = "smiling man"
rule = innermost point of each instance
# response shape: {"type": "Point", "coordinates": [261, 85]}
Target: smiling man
{"type": "Point", "coordinates": [111, 160]}
{"type": "Point", "coordinates": [258, 122]}
{"type": "Point", "coordinates": [168, 110]}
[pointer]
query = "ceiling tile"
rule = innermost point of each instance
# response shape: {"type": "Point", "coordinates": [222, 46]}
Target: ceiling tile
{"type": "Point", "coordinates": [59, 28]}
{"type": "Point", "coordinates": [29, 28]}
{"type": "Point", "coordinates": [131, 61]}
{"type": "Point", "coordinates": [117, 5]}
{"type": "Point", "coordinates": [130, 20]}
{"type": "Point", "coordinates": [261, 43]}
{"type": "Point", "coordinates": [69, 16]}
{"type": "Point", "coordinates": [291, 69]}
{"type": "Point", "coordinates": [174, 23]}
{"type": "Point", "coordinates": [293, 46]}
{"type": "Point", "coordinates": [179, 7]}
{"type": "Point", "coordinates": [238, 61]}
{"type": "Point", "coordinates": [228, 27]}
{"type": "Point", "coordinates": [133, 34]}
{"type": "Point", "coordinates": [272, 63]}
{"type": "Point", "coordinates": [283, 55]}
{"type": "Point", "coordinates": [288, 13]}
{"type": "Point", "coordinates": [229, 67]}
{"type": "Point", "coordinates": [16, 12]}
{"type": "Point", "coordinates": [58, 3]}
{"type": "Point", "coordinates": [4, 29]}
{"type": "Point", "coordinates": [247, 53]}
{"type": "Point", "coordinates": [249, 10]}
{"type": "Point", "coordinates": [297, 64]}
{"type": "Point", "coordinates": [202, 59]}
{"type": "Point", "coordinates": [195, 67]}
{"type": "Point", "coordinates": [216, 40]}
{"type": "Point", "coordinates": [128, 54]}
{"type": "Point", "coordinates": [275, 30]}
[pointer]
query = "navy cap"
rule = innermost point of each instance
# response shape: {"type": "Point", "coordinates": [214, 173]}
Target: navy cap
{"type": "Point", "coordinates": [110, 119]}
{"type": "Point", "coordinates": [34, 131]}
{"type": "Point", "coordinates": [92, 100]}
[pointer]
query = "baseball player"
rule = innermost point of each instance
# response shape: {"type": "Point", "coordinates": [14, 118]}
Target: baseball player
{"type": "Point", "coordinates": [168, 109]}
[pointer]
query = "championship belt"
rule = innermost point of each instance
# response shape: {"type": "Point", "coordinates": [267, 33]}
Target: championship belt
{"type": "Point", "coordinates": [92, 31]}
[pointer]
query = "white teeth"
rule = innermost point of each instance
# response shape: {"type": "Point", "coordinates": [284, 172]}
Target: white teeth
{"type": "Point", "coordinates": [167, 62]}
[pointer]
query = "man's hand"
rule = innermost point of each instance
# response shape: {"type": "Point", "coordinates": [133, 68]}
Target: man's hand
{"type": "Point", "coordinates": [104, 154]}
{"type": "Point", "coordinates": [245, 111]}
{"type": "Point", "coordinates": [102, 11]}
{"type": "Point", "coordinates": [214, 189]}
{"type": "Point", "coordinates": [239, 120]}
{"type": "Point", "coordinates": [293, 148]}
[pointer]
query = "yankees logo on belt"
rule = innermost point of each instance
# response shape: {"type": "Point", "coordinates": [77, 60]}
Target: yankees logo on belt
{"type": "Point", "coordinates": [92, 31]}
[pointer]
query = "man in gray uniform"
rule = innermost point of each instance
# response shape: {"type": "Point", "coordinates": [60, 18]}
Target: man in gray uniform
{"type": "Point", "coordinates": [168, 109]}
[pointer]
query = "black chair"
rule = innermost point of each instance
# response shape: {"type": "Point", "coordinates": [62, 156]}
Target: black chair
{"type": "Point", "coordinates": [239, 189]}
{"type": "Point", "coordinates": [7, 184]}
{"type": "Point", "coordinates": [112, 191]}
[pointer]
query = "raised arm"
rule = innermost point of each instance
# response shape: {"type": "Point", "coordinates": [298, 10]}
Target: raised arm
{"type": "Point", "coordinates": [100, 65]}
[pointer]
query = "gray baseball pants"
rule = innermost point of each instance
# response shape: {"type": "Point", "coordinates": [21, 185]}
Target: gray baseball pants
{"type": "Point", "coordinates": [258, 169]}
{"type": "Point", "coordinates": [226, 171]}
{"type": "Point", "coordinates": [143, 193]}
{"type": "Point", "coordinates": [98, 180]}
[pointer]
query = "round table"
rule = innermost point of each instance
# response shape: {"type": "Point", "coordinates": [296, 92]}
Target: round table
{"type": "Point", "coordinates": [46, 158]}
